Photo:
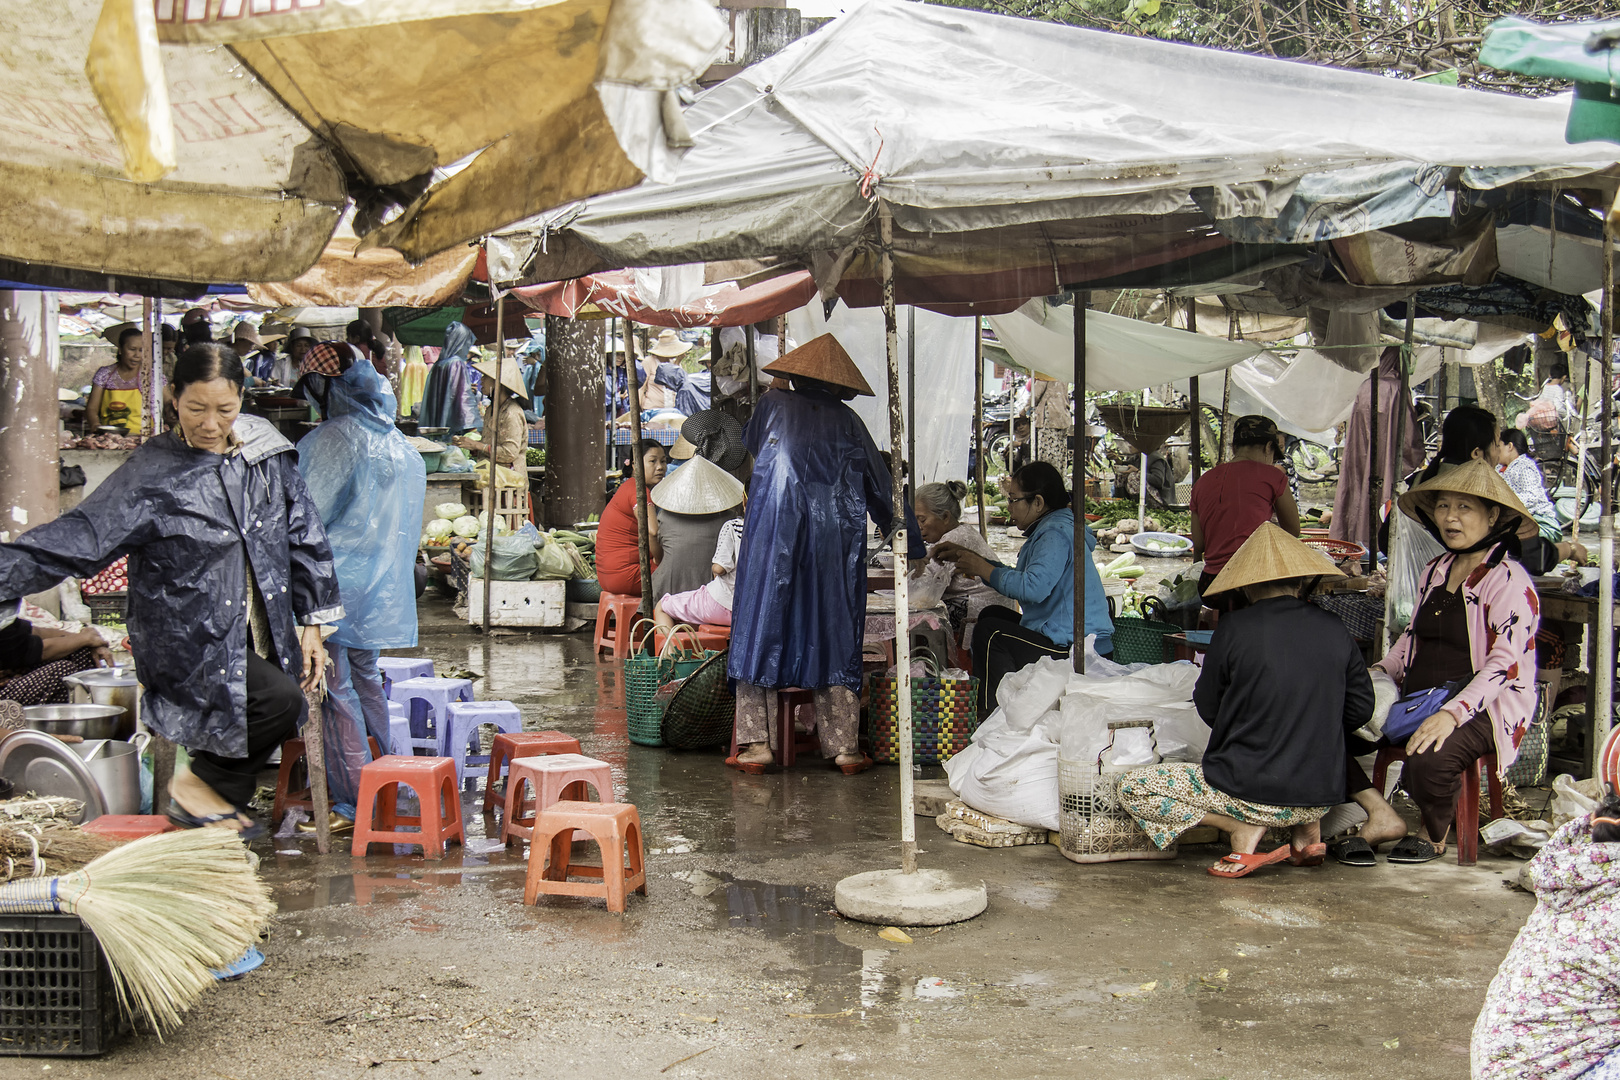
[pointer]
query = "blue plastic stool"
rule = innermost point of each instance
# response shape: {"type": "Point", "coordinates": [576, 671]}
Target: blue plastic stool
{"type": "Point", "coordinates": [399, 668]}
{"type": "Point", "coordinates": [465, 719]}
{"type": "Point", "coordinates": [399, 730]}
{"type": "Point", "coordinates": [428, 700]}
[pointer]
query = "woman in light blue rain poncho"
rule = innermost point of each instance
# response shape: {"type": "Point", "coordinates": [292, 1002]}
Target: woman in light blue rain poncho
{"type": "Point", "coordinates": [368, 486]}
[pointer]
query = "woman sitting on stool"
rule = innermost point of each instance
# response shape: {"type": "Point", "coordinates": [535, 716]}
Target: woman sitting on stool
{"type": "Point", "coordinates": [1283, 682]}
{"type": "Point", "coordinates": [1043, 583]}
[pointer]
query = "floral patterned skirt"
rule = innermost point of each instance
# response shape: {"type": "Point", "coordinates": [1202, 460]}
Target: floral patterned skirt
{"type": "Point", "coordinates": [1169, 798]}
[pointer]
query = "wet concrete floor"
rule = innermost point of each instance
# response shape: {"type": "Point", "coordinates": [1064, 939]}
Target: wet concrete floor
{"type": "Point", "coordinates": [737, 964]}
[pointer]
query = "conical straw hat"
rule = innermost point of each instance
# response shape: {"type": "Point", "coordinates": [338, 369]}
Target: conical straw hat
{"type": "Point", "coordinates": [822, 359]}
{"type": "Point", "coordinates": [1475, 478]}
{"type": "Point", "coordinates": [1270, 554]}
{"type": "Point", "coordinates": [511, 375]}
{"type": "Point", "coordinates": [698, 487]}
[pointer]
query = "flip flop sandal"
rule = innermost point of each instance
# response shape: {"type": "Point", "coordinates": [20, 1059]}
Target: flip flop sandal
{"type": "Point", "coordinates": [855, 767]}
{"type": "Point", "coordinates": [1353, 851]}
{"type": "Point", "coordinates": [751, 768]}
{"type": "Point", "coordinates": [1240, 864]}
{"type": "Point", "coordinates": [1413, 849]}
{"type": "Point", "coordinates": [1310, 855]}
{"type": "Point", "coordinates": [184, 820]}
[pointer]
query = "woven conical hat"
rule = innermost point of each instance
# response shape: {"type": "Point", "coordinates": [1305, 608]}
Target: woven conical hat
{"type": "Point", "coordinates": [1475, 478]}
{"type": "Point", "coordinates": [511, 375]}
{"type": "Point", "coordinates": [698, 487]}
{"type": "Point", "coordinates": [1270, 554]}
{"type": "Point", "coordinates": [822, 359]}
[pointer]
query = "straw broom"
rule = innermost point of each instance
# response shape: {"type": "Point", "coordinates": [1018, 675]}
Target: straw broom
{"type": "Point", "coordinates": [167, 909]}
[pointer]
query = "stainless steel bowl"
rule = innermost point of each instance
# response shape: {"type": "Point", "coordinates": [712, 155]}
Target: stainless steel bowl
{"type": "Point", "coordinates": [85, 721]}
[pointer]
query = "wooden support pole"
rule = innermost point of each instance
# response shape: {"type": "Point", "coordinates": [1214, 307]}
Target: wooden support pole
{"type": "Point", "coordinates": [315, 753]}
{"type": "Point", "coordinates": [1082, 302]}
{"type": "Point", "coordinates": [978, 420]}
{"type": "Point", "coordinates": [638, 467]}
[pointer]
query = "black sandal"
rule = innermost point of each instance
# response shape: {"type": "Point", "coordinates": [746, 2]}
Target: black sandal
{"type": "Point", "coordinates": [1353, 851]}
{"type": "Point", "coordinates": [1413, 849]}
{"type": "Point", "coordinates": [185, 820]}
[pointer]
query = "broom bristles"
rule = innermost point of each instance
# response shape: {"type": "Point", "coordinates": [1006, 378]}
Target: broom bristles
{"type": "Point", "coordinates": [169, 910]}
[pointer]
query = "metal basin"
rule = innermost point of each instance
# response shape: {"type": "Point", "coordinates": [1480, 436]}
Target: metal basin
{"type": "Point", "coordinates": [85, 721]}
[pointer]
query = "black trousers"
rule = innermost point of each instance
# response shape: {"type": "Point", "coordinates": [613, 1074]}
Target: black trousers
{"type": "Point", "coordinates": [1434, 777]}
{"type": "Point", "coordinates": [273, 704]}
{"type": "Point", "coordinates": [1002, 646]}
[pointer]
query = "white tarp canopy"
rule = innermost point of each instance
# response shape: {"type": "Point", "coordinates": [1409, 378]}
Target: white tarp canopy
{"type": "Point", "coordinates": [964, 122]}
{"type": "Point", "coordinates": [251, 124]}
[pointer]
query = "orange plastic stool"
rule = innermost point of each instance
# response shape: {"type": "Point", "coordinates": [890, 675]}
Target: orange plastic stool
{"type": "Point", "coordinates": [292, 752]}
{"type": "Point", "coordinates": [616, 828]}
{"type": "Point", "coordinates": [518, 745]}
{"type": "Point", "coordinates": [615, 615]}
{"type": "Point", "coordinates": [1467, 813]}
{"type": "Point", "coordinates": [788, 702]}
{"type": "Point", "coordinates": [377, 821]}
{"type": "Point", "coordinates": [128, 826]}
{"type": "Point", "coordinates": [552, 778]}
{"type": "Point", "coordinates": [708, 636]}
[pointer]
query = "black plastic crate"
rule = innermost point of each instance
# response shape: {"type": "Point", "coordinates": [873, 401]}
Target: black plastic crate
{"type": "Point", "coordinates": [56, 992]}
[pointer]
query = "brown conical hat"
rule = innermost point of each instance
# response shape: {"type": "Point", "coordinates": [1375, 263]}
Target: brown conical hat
{"type": "Point", "coordinates": [824, 359]}
{"type": "Point", "coordinates": [1270, 554]}
{"type": "Point", "coordinates": [1475, 478]}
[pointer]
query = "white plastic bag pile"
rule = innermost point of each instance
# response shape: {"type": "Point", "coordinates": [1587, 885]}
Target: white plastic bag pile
{"type": "Point", "coordinates": [1011, 768]}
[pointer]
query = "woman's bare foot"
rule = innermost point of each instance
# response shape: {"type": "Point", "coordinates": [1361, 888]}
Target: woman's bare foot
{"type": "Point", "coordinates": [199, 800]}
{"type": "Point", "coordinates": [1303, 836]}
{"type": "Point", "coordinates": [1383, 824]}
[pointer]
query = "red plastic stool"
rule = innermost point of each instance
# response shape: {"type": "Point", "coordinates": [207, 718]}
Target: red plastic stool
{"type": "Point", "coordinates": [616, 828]}
{"type": "Point", "coordinates": [786, 742]}
{"type": "Point", "coordinates": [292, 752]}
{"type": "Point", "coordinates": [128, 826]}
{"type": "Point", "coordinates": [519, 745]}
{"type": "Point", "coordinates": [1467, 813]}
{"type": "Point", "coordinates": [377, 821]}
{"type": "Point", "coordinates": [615, 615]}
{"type": "Point", "coordinates": [552, 778]}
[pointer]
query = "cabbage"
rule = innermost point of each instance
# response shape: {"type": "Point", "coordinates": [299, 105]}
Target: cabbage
{"type": "Point", "coordinates": [450, 511]}
{"type": "Point", "coordinates": [437, 530]}
{"type": "Point", "coordinates": [465, 525]}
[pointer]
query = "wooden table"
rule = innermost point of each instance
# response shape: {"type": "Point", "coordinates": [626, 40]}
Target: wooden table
{"type": "Point", "coordinates": [1177, 647]}
{"type": "Point", "coordinates": [1558, 606]}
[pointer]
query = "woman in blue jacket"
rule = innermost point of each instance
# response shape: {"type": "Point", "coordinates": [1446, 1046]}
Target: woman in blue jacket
{"type": "Point", "coordinates": [1042, 583]}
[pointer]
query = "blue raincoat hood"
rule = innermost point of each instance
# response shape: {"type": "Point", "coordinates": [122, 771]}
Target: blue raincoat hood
{"type": "Point", "coordinates": [450, 399]}
{"type": "Point", "coordinates": [368, 486]}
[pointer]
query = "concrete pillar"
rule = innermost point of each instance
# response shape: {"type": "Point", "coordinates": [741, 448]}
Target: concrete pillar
{"type": "Point", "coordinates": [28, 411]}
{"type": "Point", "coordinates": [576, 442]}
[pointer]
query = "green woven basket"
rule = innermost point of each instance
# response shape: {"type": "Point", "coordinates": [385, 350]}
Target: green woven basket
{"type": "Point", "coordinates": [703, 710]}
{"type": "Point", "coordinates": [1141, 641]}
{"type": "Point", "coordinates": [644, 716]}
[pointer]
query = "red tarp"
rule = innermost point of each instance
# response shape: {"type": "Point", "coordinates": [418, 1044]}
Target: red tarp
{"type": "Point", "coordinates": [611, 292]}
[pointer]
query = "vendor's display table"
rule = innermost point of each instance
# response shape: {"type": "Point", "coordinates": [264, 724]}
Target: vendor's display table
{"type": "Point", "coordinates": [1559, 609]}
{"type": "Point", "coordinates": [930, 629]}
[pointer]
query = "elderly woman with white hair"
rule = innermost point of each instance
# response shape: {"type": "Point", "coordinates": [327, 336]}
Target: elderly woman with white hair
{"type": "Point", "coordinates": [939, 518]}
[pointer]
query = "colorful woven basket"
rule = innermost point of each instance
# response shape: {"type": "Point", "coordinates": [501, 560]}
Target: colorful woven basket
{"type": "Point", "coordinates": [1141, 641]}
{"type": "Point", "coordinates": [944, 716]}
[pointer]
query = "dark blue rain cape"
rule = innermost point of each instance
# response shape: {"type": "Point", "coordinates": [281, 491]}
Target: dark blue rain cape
{"type": "Point", "coordinates": [186, 518]}
{"type": "Point", "coordinates": [368, 486]}
{"type": "Point", "coordinates": [450, 398]}
{"type": "Point", "coordinates": [800, 608]}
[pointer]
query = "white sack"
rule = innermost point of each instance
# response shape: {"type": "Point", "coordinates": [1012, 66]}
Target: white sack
{"type": "Point", "coordinates": [1161, 693]}
{"type": "Point", "coordinates": [1008, 774]}
{"type": "Point", "coordinates": [1385, 694]}
{"type": "Point", "coordinates": [1032, 691]}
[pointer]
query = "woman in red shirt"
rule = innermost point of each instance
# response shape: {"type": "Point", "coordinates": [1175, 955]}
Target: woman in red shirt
{"type": "Point", "coordinates": [618, 555]}
{"type": "Point", "coordinates": [1232, 500]}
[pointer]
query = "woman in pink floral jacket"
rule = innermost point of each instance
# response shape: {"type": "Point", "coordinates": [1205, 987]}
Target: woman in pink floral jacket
{"type": "Point", "coordinates": [1473, 630]}
{"type": "Point", "coordinates": [1553, 1010]}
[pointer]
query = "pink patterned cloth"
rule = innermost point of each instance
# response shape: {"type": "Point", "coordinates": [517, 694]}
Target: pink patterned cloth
{"type": "Point", "coordinates": [1553, 1010]}
{"type": "Point", "coordinates": [880, 626]}
{"type": "Point", "coordinates": [1504, 613]}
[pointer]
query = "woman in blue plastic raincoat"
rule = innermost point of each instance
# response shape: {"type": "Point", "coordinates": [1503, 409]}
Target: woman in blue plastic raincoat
{"type": "Point", "coordinates": [800, 607]}
{"type": "Point", "coordinates": [450, 398]}
{"type": "Point", "coordinates": [230, 580]}
{"type": "Point", "coordinates": [368, 486]}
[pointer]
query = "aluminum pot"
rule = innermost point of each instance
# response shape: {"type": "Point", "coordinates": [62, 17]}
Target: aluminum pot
{"type": "Point", "coordinates": [108, 686]}
{"type": "Point", "coordinates": [116, 767]}
{"type": "Point", "coordinates": [85, 721]}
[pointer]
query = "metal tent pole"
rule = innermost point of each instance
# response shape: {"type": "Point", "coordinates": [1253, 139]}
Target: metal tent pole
{"type": "Point", "coordinates": [1082, 302]}
{"type": "Point", "coordinates": [1580, 447]}
{"type": "Point", "coordinates": [1375, 470]}
{"type": "Point", "coordinates": [492, 438]}
{"type": "Point", "coordinates": [1196, 427]}
{"type": "Point", "coordinates": [978, 419]}
{"type": "Point", "coordinates": [911, 385]}
{"type": "Point", "coordinates": [1396, 524]}
{"type": "Point", "coordinates": [902, 607]}
{"type": "Point", "coordinates": [1603, 715]}
{"type": "Point", "coordinates": [753, 373]}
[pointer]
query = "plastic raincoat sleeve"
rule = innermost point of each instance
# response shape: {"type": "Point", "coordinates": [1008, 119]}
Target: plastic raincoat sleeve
{"type": "Point", "coordinates": [80, 543]}
{"type": "Point", "coordinates": [309, 555]}
{"type": "Point", "coordinates": [879, 487]}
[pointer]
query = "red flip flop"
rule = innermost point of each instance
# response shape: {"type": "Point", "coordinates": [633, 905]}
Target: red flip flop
{"type": "Point", "coordinates": [1241, 864]}
{"type": "Point", "coordinates": [1310, 855]}
{"type": "Point", "coordinates": [751, 768]}
{"type": "Point", "coordinates": [858, 767]}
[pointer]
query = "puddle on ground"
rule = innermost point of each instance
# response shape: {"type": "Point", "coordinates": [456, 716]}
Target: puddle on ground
{"type": "Point", "coordinates": [832, 975]}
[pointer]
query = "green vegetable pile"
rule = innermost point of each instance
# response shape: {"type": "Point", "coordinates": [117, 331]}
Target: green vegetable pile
{"type": "Point", "coordinates": [536, 457]}
{"type": "Point", "coordinates": [1113, 511]}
